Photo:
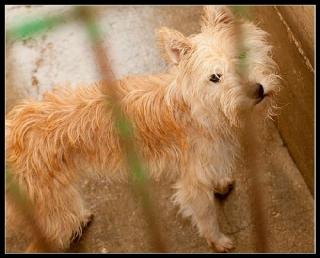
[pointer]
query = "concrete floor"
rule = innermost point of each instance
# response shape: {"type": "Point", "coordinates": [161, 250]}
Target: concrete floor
{"type": "Point", "coordinates": [64, 55]}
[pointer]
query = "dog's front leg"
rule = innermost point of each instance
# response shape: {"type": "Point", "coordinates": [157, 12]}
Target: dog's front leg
{"type": "Point", "coordinates": [223, 185]}
{"type": "Point", "coordinates": [197, 201]}
{"type": "Point", "coordinates": [222, 169]}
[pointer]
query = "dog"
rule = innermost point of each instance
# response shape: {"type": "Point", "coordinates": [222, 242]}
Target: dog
{"type": "Point", "coordinates": [186, 121]}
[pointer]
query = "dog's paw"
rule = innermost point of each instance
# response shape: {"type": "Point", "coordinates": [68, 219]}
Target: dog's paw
{"type": "Point", "coordinates": [87, 218]}
{"type": "Point", "coordinates": [222, 245]}
{"type": "Point", "coordinates": [34, 247]}
{"type": "Point", "coordinates": [224, 186]}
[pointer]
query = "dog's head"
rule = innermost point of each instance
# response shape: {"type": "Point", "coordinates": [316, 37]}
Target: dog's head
{"type": "Point", "coordinates": [226, 68]}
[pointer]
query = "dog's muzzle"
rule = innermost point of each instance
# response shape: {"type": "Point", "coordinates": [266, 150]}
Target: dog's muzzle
{"type": "Point", "coordinates": [259, 93]}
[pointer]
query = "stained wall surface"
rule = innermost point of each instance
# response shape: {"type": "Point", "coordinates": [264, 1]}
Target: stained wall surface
{"type": "Point", "coordinates": [291, 31]}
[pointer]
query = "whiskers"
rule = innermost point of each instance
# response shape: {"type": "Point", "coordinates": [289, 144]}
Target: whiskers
{"type": "Point", "coordinates": [274, 110]}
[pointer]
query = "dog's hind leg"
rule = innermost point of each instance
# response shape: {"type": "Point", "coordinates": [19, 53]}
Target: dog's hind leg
{"type": "Point", "coordinates": [61, 217]}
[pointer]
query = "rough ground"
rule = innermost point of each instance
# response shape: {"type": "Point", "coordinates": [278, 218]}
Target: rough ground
{"type": "Point", "coordinates": [64, 55]}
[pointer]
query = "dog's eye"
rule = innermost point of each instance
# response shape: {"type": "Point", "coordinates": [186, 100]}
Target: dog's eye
{"type": "Point", "coordinates": [215, 77]}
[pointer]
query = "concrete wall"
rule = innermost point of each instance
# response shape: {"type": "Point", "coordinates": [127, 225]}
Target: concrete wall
{"type": "Point", "coordinates": [292, 34]}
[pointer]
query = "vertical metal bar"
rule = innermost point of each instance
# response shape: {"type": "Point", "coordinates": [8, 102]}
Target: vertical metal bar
{"type": "Point", "coordinates": [256, 198]}
{"type": "Point", "coordinates": [125, 129]}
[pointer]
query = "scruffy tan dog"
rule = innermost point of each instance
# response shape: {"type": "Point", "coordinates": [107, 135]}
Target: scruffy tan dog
{"type": "Point", "coordinates": [187, 122]}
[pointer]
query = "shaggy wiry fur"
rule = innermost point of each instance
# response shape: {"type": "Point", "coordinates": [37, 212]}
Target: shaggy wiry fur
{"type": "Point", "coordinates": [184, 124]}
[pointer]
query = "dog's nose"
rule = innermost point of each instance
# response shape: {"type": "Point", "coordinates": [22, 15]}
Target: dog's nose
{"type": "Point", "coordinates": [260, 91]}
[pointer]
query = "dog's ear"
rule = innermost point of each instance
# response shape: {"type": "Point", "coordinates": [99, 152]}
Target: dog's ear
{"type": "Point", "coordinates": [173, 44]}
{"type": "Point", "coordinates": [216, 17]}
